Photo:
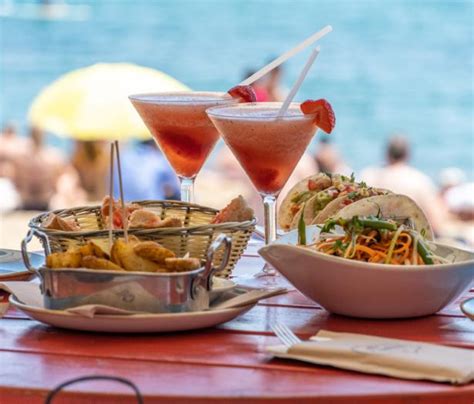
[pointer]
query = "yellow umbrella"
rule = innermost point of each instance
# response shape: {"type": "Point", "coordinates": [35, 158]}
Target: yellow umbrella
{"type": "Point", "coordinates": [92, 104]}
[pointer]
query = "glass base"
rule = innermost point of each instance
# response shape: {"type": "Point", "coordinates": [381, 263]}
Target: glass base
{"type": "Point", "coordinates": [267, 270]}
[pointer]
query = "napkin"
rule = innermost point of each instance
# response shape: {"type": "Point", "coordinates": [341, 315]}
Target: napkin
{"type": "Point", "coordinates": [385, 356]}
{"type": "Point", "coordinates": [29, 293]}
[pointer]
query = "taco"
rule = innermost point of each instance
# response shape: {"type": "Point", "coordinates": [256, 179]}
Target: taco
{"type": "Point", "coordinates": [298, 195]}
{"type": "Point", "coordinates": [392, 206]}
{"type": "Point", "coordinates": [312, 195]}
{"type": "Point", "coordinates": [344, 199]}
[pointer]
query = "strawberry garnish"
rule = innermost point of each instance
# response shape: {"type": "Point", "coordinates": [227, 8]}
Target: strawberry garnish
{"type": "Point", "coordinates": [324, 115]}
{"type": "Point", "coordinates": [243, 93]}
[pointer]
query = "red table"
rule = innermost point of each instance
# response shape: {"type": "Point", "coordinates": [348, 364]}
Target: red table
{"type": "Point", "coordinates": [216, 365]}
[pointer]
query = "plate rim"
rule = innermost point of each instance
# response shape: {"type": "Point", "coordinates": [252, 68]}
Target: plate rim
{"type": "Point", "coordinates": [15, 302]}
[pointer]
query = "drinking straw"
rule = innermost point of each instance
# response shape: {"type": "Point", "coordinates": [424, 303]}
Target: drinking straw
{"type": "Point", "coordinates": [111, 194]}
{"type": "Point", "coordinates": [298, 83]}
{"type": "Point", "coordinates": [122, 202]}
{"type": "Point", "coordinates": [287, 55]}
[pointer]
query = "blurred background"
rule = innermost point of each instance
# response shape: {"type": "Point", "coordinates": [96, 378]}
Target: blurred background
{"type": "Point", "coordinates": [389, 68]}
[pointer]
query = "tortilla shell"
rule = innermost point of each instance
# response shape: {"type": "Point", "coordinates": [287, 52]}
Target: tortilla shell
{"type": "Point", "coordinates": [285, 216]}
{"type": "Point", "coordinates": [394, 206]}
{"type": "Point", "coordinates": [336, 205]}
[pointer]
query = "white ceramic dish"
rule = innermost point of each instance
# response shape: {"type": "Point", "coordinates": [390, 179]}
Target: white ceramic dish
{"type": "Point", "coordinates": [12, 266]}
{"type": "Point", "coordinates": [219, 286]}
{"type": "Point", "coordinates": [359, 289]}
{"type": "Point", "coordinates": [135, 323]}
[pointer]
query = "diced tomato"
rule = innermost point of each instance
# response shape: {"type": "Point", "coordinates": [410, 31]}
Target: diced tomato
{"type": "Point", "coordinates": [117, 219]}
{"type": "Point", "coordinates": [312, 185]}
{"type": "Point", "coordinates": [295, 209]}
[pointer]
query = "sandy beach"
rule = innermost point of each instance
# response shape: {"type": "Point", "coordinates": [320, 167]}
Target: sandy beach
{"type": "Point", "coordinates": [13, 228]}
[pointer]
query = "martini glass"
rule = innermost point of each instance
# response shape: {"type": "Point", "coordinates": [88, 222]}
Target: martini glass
{"type": "Point", "coordinates": [182, 130]}
{"type": "Point", "coordinates": [268, 148]}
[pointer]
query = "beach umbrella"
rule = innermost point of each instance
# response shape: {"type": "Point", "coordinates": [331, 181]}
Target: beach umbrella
{"type": "Point", "coordinates": [91, 103]}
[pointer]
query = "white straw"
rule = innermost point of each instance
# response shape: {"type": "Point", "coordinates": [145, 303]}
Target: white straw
{"type": "Point", "coordinates": [122, 202]}
{"type": "Point", "coordinates": [287, 55]}
{"type": "Point", "coordinates": [111, 194]}
{"type": "Point", "coordinates": [298, 83]}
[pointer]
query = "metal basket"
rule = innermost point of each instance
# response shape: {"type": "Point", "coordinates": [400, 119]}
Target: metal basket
{"type": "Point", "coordinates": [194, 237]}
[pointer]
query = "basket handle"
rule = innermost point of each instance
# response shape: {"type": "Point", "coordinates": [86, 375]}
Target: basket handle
{"type": "Point", "coordinates": [209, 269]}
{"type": "Point", "coordinates": [24, 252]}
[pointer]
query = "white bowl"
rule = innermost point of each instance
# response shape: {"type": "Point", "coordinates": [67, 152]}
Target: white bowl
{"type": "Point", "coordinates": [358, 289]}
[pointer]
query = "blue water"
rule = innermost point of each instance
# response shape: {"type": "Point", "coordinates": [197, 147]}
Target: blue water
{"type": "Point", "coordinates": [389, 66]}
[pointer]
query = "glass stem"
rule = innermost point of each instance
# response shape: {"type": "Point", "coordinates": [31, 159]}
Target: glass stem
{"type": "Point", "coordinates": [269, 205]}
{"type": "Point", "coordinates": [187, 189]}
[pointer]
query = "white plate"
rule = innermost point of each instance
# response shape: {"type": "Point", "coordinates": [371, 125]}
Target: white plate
{"type": "Point", "coordinates": [11, 264]}
{"type": "Point", "coordinates": [131, 323]}
{"type": "Point", "coordinates": [219, 286]}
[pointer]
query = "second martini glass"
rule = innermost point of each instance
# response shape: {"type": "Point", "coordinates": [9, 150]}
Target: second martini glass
{"type": "Point", "coordinates": [268, 148]}
{"type": "Point", "coordinates": [182, 130]}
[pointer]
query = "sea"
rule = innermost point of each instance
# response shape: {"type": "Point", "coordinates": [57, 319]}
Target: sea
{"type": "Point", "coordinates": [389, 66]}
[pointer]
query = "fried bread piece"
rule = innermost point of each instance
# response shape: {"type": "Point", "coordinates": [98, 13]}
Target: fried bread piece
{"type": "Point", "coordinates": [89, 261]}
{"type": "Point", "coordinates": [153, 251]}
{"type": "Point", "coordinates": [171, 221]}
{"type": "Point", "coordinates": [54, 222]}
{"type": "Point", "coordinates": [68, 259]}
{"type": "Point", "coordinates": [182, 264]}
{"type": "Point", "coordinates": [236, 211]}
{"type": "Point", "coordinates": [93, 249]}
{"type": "Point", "coordinates": [144, 218]}
{"type": "Point", "coordinates": [123, 254]}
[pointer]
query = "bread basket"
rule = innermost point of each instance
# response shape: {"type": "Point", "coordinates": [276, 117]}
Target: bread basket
{"type": "Point", "coordinates": [194, 237]}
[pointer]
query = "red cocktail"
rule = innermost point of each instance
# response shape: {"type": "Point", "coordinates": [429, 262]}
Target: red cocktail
{"type": "Point", "coordinates": [268, 148]}
{"type": "Point", "coordinates": [183, 131]}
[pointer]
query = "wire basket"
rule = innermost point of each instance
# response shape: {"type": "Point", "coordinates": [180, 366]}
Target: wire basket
{"type": "Point", "coordinates": [194, 237]}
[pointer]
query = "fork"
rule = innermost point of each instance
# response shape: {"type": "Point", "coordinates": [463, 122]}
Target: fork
{"type": "Point", "coordinates": [285, 335]}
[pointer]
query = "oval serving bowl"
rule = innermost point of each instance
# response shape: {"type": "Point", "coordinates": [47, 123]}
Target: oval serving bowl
{"type": "Point", "coordinates": [359, 289]}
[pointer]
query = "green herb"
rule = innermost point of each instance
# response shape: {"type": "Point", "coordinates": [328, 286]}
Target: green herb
{"type": "Point", "coordinates": [352, 177]}
{"type": "Point", "coordinates": [329, 225]}
{"type": "Point", "coordinates": [363, 184]}
{"type": "Point", "coordinates": [301, 230]}
{"type": "Point", "coordinates": [424, 252]}
{"type": "Point", "coordinates": [352, 195]}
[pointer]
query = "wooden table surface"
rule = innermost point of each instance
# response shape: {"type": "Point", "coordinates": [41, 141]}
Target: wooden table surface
{"type": "Point", "coordinates": [220, 364]}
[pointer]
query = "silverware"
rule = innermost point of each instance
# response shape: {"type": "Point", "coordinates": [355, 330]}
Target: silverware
{"type": "Point", "coordinates": [285, 335]}
{"type": "Point", "coordinates": [467, 307]}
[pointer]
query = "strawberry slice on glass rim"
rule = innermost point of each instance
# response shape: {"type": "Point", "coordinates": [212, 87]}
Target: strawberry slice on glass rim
{"type": "Point", "coordinates": [243, 93]}
{"type": "Point", "coordinates": [324, 114]}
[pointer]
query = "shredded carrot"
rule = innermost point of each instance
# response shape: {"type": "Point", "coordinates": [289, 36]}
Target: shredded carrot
{"type": "Point", "coordinates": [373, 247]}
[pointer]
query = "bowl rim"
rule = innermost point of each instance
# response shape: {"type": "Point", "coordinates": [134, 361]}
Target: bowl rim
{"type": "Point", "coordinates": [360, 265]}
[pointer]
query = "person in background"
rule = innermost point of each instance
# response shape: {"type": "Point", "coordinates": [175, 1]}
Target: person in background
{"type": "Point", "coordinates": [457, 193]}
{"type": "Point", "coordinates": [10, 145]}
{"type": "Point", "coordinates": [146, 174]}
{"type": "Point", "coordinates": [273, 84]}
{"type": "Point", "coordinates": [328, 158]}
{"type": "Point", "coordinates": [36, 171]}
{"type": "Point", "coordinates": [91, 161]}
{"type": "Point", "coordinates": [399, 177]}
